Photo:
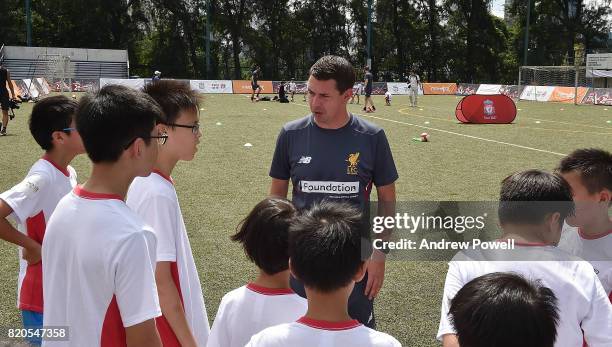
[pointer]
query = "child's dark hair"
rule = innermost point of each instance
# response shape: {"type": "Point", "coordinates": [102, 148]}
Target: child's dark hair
{"type": "Point", "coordinates": [112, 118]}
{"type": "Point", "coordinates": [264, 234]}
{"type": "Point", "coordinates": [173, 97]}
{"type": "Point", "coordinates": [527, 197]}
{"type": "Point", "coordinates": [325, 245]}
{"type": "Point", "coordinates": [593, 165]}
{"type": "Point", "coordinates": [504, 310]}
{"type": "Point", "coordinates": [51, 114]}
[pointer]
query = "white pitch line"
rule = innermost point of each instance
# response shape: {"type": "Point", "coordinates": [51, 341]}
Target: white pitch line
{"type": "Point", "coordinates": [469, 136]}
{"type": "Point", "coordinates": [459, 134]}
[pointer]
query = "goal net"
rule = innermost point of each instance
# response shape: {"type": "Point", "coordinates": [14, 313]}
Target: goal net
{"type": "Point", "coordinates": [540, 80]}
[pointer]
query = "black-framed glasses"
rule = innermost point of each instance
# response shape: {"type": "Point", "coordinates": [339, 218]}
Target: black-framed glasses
{"type": "Point", "coordinates": [68, 130]}
{"type": "Point", "coordinates": [161, 139]}
{"type": "Point", "coordinates": [194, 128]}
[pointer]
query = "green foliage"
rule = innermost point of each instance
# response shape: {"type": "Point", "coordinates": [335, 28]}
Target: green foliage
{"type": "Point", "coordinates": [449, 40]}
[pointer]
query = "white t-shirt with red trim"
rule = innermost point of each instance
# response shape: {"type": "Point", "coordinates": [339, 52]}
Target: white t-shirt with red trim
{"type": "Point", "coordinates": [33, 201]}
{"type": "Point", "coordinates": [582, 302]}
{"type": "Point", "coordinates": [596, 249]}
{"type": "Point", "coordinates": [247, 310]}
{"type": "Point", "coordinates": [154, 199]}
{"type": "Point", "coordinates": [98, 261]}
{"type": "Point", "coordinates": [309, 332]}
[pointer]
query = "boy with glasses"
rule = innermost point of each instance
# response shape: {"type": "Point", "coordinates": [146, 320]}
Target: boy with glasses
{"type": "Point", "coordinates": [183, 321]}
{"type": "Point", "coordinates": [98, 255]}
{"type": "Point", "coordinates": [32, 201]}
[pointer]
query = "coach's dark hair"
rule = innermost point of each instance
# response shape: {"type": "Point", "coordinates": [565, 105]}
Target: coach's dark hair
{"type": "Point", "coordinates": [527, 197]}
{"type": "Point", "coordinates": [332, 67]}
{"type": "Point", "coordinates": [325, 245]}
{"type": "Point", "coordinates": [112, 117]}
{"type": "Point", "coordinates": [264, 234]}
{"type": "Point", "coordinates": [173, 97]}
{"type": "Point", "coordinates": [51, 114]}
{"type": "Point", "coordinates": [593, 165]}
{"type": "Point", "coordinates": [504, 310]}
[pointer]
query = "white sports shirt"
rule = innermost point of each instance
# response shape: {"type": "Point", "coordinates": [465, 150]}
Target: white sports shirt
{"type": "Point", "coordinates": [247, 310]}
{"type": "Point", "coordinates": [154, 199]}
{"type": "Point", "coordinates": [98, 258]}
{"type": "Point", "coordinates": [582, 302]}
{"type": "Point", "coordinates": [33, 201]}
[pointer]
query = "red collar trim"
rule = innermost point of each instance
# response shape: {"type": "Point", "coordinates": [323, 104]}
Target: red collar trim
{"type": "Point", "coordinates": [166, 177]}
{"type": "Point", "coordinates": [61, 169]}
{"type": "Point", "coordinates": [593, 237]}
{"type": "Point", "coordinates": [269, 291]}
{"type": "Point", "coordinates": [326, 325]}
{"type": "Point", "coordinates": [80, 192]}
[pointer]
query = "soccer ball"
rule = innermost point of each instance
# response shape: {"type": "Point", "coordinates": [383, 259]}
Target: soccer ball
{"type": "Point", "coordinates": [424, 137]}
{"type": "Point", "coordinates": [74, 96]}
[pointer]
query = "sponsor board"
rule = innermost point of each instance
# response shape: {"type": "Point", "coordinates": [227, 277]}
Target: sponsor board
{"type": "Point", "coordinates": [439, 88]}
{"type": "Point", "coordinates": [537, 93]}
{"type": "Point", "coordinates": [489, 89]}
{"type": "Point", "coordinates": [244, 87]}
{"type": "Point", "coordinates": [212, 86]}
{"type": "Point", "coordinates": [598, 96]}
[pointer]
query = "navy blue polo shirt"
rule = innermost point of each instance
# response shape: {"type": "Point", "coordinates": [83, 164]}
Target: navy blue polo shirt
{"type": "Point", "coordinates": [339, 164]}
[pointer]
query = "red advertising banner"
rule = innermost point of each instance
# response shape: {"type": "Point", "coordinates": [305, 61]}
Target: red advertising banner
{"type": "Point", "coordinates": [486, 109]}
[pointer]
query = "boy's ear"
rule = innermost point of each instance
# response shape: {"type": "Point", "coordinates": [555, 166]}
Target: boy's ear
{"type": "Point", "coordinates": [291, 270]}
{"type": "Point", "coordinates": [554, 222]}
{"type": "Point", "coordinates": [135, 150]}
{"type": "Point", "coordinates": [605, 196]}
{"type": "Point", "coordinates": [58, 136]}
{"type": "Point", "coordinates": [363, 268]}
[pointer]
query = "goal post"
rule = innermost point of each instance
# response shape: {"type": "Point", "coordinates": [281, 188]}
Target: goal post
{"type": "Point", "coordinates": [541, 78]}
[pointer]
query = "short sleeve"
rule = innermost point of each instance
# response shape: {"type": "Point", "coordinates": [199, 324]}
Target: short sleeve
{"type": "Point", "coordinates": [135, 287]}
{"type": "Point", "coordinates": [219, 334]}
{"type": "Point", "coordinates": [452, 285]}
{"type": "Point", "coordinates": [160, 213]}
{"type": "Point", "coordinates": [280, 168]}
{"type": "Point", "coordinates": [384, 166]}
{"type": "Point", "coordinates": [25, 197]}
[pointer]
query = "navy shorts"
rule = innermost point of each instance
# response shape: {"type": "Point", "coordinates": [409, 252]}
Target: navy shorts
{"type": "Point", "coordinates": [360, 307]}
{"type": "Point", "coordinates": [4, 102]}
{"type": "Point", "coordinates": [255, 86]}
{"type": "Point", "coordinates": [368, 92]}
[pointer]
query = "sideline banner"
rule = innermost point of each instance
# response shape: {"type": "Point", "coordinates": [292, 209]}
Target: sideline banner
{"type": "Point", "coordinates": [489, 89]}
{"type": "Point", "coordinates": [511, 91]}
{"type": "Point", "coordinates": [566, 94]}
{"type": "Point", "coordinates": [537, 93]}
{"type": "Point", "coordinates": [598, 96]}
{"type": "Point", "coordinates": [401, 88]}
{"type": "Point", "coordinates": [135, 83]}
{"type": "Point", "coordinates": [244, 87]}
{"type": "Point", "coordinates": [212, 86]}
{"type": "Point", "coordinates": [398, 88]}
{"type": "Point", "coordinates": [439, 88]}
{"type": "Point", "coordinates": [467, 88]}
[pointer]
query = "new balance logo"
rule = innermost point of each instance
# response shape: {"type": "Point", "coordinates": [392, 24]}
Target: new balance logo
{"type": "Point", "coordinates": [304, 160]}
